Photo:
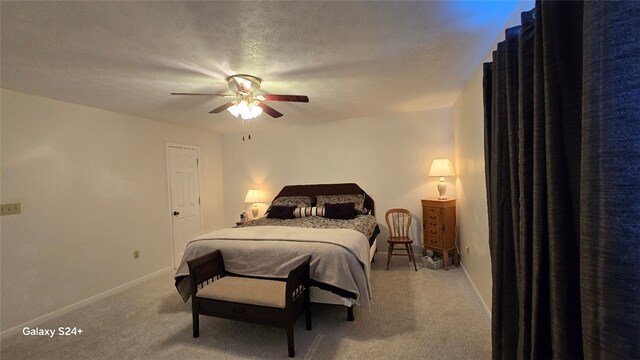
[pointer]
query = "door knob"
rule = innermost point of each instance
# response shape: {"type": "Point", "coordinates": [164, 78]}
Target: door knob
{"type": "Point", "coordinates": [176, 213]}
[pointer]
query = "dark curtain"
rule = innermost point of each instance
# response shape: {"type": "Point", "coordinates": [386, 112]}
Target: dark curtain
{"type": "Point", "coordinates": [562, 157]}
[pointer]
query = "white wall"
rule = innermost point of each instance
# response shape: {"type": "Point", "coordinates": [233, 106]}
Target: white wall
{"type": "Point", "coordinates": [93, 188]}
{"type": "Point", "coordinates": [472, 218]}
{"type": "Point", "coordinates": [388, 156]}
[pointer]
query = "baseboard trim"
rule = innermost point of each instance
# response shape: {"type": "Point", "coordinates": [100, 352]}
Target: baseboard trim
{"type": "Point", "coordinates": [484, 304]}
{"type": "Point", "coordinates": [67, 309]}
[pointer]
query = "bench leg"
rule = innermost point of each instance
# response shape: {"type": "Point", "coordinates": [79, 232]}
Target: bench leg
{"type": "Point", "coordinates": [195, 310]}
{"type": "Point", "coordinates": [196, 325]}
{"type": "Point", "coordinates": [307, 307]}
{"type": "Point", "coordinates": [307, 317]}
{"type": "Point", "coordinates": [350, 313]}
{"type": "Point", "coordinates": [292, 350]}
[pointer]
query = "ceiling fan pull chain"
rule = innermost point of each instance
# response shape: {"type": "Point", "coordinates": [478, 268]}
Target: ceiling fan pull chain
{"type": "Point", "coordinates": [249, 129]}
{"type": "Point", "coordinates": [243, 132]}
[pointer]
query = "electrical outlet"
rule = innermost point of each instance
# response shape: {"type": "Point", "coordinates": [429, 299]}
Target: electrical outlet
{"type": "Point", "coordinates": [136, 254]}
{"type": "Point", "coordinates": [467, 246]}
{"type": "Point", "coordinates": [10, 209]}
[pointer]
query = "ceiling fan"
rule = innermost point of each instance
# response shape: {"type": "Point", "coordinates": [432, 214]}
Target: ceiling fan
{"type": "Point", "coordinates": [247, 102]}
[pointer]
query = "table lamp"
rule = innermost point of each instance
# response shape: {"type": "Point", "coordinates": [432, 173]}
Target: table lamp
{"type": "Point", "coordinates": [441, 168]}
{"type": "Point", "coordinates": [253, 196]}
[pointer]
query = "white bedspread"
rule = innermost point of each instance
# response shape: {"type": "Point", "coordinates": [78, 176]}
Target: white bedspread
{"type": "Point", "coordinates": [340, 257]}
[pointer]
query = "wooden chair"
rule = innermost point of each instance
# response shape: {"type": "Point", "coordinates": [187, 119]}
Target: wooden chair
{"type": "Point", "coordinates": [399, 223]}
{"type": "Point", "coordinates": [263, 301]}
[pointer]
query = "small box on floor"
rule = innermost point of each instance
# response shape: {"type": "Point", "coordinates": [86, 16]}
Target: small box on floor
{"type": "Point", "coordinates": [430, 263]}
{"type": "Point", "coordinates": [433, 261]}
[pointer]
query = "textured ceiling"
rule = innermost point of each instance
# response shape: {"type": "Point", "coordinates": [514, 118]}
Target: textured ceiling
{"type": "Point", "coordinates": [353, 59]}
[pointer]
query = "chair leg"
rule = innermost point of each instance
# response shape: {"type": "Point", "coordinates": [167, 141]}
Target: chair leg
{"type": "Point", "coordinates": [390, 252]}
{"type": "Point", "coordinates": [290, 345]}
{"type": "Point", "coordinates": [413, 256]}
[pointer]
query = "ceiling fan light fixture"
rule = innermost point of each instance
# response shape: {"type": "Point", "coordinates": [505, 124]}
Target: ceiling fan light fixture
{"type": "Point", "coordinates": [255, 111]}
{"type": "Point", "coordinates": [233, 109]}
{"type": "Point", "coordinates": [245, 110]}
{"type": "Point", "coordinates": [247, 102]}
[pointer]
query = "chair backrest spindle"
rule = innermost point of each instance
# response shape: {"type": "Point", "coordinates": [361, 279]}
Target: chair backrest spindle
{"type": "Point", "coordinates": [398, 222]}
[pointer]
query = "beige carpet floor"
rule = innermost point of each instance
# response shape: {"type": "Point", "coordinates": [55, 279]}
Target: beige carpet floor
{"type": "Point", "coordinates": [415, 315]}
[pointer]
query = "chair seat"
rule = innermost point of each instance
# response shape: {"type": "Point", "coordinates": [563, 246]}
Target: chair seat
{"type": "Point", "coordinates": [399, 240]}
{"type": "Point", "coordinates": [243, 290]}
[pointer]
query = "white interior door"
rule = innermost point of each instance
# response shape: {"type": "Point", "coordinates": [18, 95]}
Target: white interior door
{"type": "Point", "coordinates": [184, 187]}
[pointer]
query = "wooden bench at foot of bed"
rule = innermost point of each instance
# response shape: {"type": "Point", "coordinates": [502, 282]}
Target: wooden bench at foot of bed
{"type": "Point", "coordinates": [268, 302]}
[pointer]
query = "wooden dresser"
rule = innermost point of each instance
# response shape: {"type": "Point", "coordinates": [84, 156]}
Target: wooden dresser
{"type": "Point", "coordinates": [439, 228]}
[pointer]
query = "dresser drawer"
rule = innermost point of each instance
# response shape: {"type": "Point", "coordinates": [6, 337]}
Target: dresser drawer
{"type": "Point", "coordinates": [433, 241]}
{"type": "Point", "coordinates": [435, 224]}
{"type": "Point", "coordinates": [433, 232]}
{"type": "Point", "coordinates": [432, 215]}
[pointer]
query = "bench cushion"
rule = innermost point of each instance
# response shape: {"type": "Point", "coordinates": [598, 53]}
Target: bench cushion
{"type": "Point", "coordinates": [242, 290]}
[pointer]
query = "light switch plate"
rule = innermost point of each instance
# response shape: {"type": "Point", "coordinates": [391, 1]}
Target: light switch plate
{"type": "Point", "coordinates": [10, 209]}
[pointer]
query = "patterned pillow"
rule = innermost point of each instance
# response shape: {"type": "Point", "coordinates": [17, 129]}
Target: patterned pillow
{"type": "Point", "coordinates": [356, 199]}
{"type": "Point", "coordinates": [295, 201]}
{"type": "Point", "coordinates": [308, 211]}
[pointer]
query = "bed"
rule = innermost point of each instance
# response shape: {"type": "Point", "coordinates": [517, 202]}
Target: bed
{"type": "Point", "coordinates": [341, 250]}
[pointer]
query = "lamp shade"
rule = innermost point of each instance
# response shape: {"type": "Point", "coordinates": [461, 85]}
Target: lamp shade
{"type": "Point", "coordinates": [253, 196]}
{"type": "Point", "coordinates": [441, 167]}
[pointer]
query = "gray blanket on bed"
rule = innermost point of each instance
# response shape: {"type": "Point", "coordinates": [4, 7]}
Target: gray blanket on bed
{"type": "Point", "coordinates": [340, 257]}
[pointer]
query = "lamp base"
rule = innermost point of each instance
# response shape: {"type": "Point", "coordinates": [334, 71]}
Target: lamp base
{"type": "Point", "coordinates": [442, 189]}
{"type": "Point", "coordinates": [254, 211]}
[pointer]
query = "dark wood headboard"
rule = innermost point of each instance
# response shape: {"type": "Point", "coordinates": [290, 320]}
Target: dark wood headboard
{"type": "Point", "coordinates": [328, 189]}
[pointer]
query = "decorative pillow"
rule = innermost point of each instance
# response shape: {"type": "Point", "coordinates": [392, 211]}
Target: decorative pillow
{"type": "Point", "coordinates": [280, 212]}
{"type": "Point", "coordinates": [356, 199]}
{"type": "Point", "coordinates": [308, 211]}
{"type": "Point", "coordinates": [295, 201]}
{"type": "Point", "coordinates": [343, 211]}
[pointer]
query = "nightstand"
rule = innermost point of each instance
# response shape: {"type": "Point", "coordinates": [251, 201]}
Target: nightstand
{"type": "Point", "coordinates": [439, 229]}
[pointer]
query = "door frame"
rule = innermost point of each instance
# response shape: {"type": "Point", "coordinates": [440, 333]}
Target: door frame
{"type": "Point", "coordinates": [170, 205]}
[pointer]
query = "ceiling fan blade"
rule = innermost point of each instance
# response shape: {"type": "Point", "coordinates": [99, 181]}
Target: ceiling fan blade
{"type": "Point", "coordinates": [293, 98]}
{"type": "Point", "coordinates": [180, 93]}
{"type": "Point", "coordinates": [269, 110]}
{"type": "Point", "coordinates": [221, 108]}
